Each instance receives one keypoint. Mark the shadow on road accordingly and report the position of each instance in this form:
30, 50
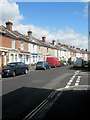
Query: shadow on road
83, 69
17, 104
71, 104
10, 76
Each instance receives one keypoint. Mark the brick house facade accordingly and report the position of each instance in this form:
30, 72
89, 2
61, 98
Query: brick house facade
15, 47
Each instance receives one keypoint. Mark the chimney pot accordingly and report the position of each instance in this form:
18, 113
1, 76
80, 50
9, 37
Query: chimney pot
9, 25
43, 39
53, 42
30, 33
78, 48
59, 43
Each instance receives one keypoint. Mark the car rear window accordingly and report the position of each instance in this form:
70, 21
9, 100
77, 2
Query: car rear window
11, 64
40, 63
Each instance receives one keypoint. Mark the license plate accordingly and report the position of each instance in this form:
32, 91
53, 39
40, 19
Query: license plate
38, 65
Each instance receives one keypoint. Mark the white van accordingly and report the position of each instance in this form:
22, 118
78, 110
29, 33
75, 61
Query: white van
79, 62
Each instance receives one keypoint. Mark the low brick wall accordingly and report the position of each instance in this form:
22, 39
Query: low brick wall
32, 66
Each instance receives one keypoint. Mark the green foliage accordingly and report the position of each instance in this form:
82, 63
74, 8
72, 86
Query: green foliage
62, 60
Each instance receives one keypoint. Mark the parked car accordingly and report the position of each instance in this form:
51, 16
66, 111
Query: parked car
14, 68
79, 62
53, 61
85, 63
42, 65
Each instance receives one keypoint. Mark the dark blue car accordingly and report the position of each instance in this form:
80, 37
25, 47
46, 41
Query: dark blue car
42, 65
14, 68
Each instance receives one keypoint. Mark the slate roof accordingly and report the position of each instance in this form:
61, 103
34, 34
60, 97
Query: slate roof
17, 35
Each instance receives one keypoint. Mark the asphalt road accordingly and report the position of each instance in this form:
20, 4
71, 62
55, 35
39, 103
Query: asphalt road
23, 93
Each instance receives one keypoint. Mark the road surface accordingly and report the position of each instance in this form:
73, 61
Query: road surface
23, 93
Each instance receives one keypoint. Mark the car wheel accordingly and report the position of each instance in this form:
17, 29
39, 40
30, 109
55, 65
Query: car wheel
55, 66
44, 68
26, 71
49, 67
14, 74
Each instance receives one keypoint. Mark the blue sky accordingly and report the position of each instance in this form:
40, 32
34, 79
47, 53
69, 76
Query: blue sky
66, 22
55, 16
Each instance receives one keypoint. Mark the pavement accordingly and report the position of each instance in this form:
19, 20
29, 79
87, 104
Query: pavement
32, 68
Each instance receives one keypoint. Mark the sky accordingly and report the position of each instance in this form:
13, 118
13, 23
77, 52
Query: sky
65, 22
55, 15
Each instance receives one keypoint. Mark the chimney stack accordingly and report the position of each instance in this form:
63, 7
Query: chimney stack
43, 39
86, 50
30, 33
53, 42
9, 25
67, 46
78, 48
59, 43
73, 46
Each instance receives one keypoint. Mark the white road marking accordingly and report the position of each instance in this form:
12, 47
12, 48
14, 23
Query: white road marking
79, 76
85, 73
76, 84
73, 76
77, 71
67, 86
43, 105
78, 81
71, 80
69, 83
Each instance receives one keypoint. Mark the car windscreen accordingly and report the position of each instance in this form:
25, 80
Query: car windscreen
10, 65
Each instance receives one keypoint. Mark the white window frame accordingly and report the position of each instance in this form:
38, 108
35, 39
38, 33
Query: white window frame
12, 57
13, 44
22, 45
33, 48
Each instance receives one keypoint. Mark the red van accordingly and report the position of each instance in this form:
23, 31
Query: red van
53, 61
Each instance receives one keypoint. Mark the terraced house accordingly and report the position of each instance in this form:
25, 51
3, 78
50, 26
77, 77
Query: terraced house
16, 47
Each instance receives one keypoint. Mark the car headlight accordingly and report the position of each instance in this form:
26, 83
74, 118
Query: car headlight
7, 70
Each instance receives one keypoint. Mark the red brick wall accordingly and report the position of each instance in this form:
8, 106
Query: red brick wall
26, 46
6, 42
17, 44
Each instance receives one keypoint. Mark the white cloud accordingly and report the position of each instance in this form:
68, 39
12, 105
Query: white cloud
65, 36
71, 37
9, 11
86, 10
